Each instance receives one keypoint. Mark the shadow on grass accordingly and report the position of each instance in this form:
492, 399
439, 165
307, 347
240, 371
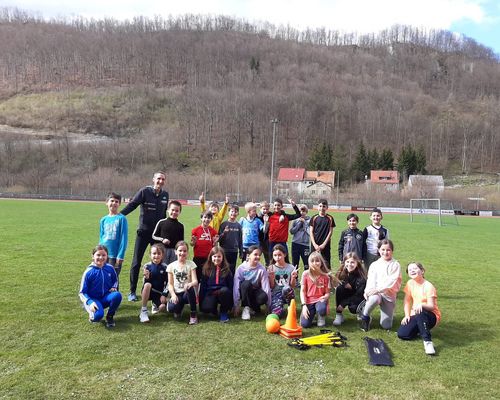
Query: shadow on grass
458, 334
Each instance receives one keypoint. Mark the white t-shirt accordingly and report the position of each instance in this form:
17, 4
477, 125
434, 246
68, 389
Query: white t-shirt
182, 274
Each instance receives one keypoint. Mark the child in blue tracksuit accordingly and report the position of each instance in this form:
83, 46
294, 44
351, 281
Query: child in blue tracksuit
98, 288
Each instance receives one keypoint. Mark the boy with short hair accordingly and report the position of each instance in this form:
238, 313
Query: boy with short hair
278, 225
203, 238
250, 228
218, 216
113, 232
169, 231
264, 234
351, 239
320, 231
230, 237
301, 239
372, 235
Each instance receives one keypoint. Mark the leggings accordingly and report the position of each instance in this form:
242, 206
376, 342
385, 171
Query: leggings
419, 324
222, 296
347, 298
386, 309
184, 298
252, 296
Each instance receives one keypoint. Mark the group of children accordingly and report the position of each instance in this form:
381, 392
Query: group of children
368, 275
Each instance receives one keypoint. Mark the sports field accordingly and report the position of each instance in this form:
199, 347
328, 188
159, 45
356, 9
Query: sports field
49, 350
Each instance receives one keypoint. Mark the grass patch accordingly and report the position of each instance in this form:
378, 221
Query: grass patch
111, 111
49, 350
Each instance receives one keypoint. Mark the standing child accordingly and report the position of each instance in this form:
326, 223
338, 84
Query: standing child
230, 237
320, 231
421, 309
98, 288
217, 216
203, 238
250, 228
301, 239
278, 224
251, 285
382, 287
216, 285
349, 293
351, 239
154, 287
282, 280
169, 231
113, 232
372, 235
264, 233
314, 291
182, 282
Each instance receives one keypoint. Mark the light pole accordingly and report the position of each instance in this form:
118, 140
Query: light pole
274, 121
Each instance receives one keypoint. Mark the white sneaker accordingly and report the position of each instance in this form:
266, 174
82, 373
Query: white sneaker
245, 314
154, 309
339, 319
143, 316
429, 348
321, 321
90, 312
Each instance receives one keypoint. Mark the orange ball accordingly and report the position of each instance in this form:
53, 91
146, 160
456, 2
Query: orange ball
273, 325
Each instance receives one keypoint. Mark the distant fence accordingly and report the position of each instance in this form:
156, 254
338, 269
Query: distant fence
345, 208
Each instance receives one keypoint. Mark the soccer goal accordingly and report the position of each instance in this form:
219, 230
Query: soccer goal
435, 211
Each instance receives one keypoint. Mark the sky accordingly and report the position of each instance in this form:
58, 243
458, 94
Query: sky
477, 19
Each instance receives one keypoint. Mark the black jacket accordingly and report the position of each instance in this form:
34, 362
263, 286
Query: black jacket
153, 208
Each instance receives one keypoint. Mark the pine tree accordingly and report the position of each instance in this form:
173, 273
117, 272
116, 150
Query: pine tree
361, 166
320, 158
340, 163
420, 160
386, 160
407, 162
373, 159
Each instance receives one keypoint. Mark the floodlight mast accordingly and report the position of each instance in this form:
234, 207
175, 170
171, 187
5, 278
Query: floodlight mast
274, 121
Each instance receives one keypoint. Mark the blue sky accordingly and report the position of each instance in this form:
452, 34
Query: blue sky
478, 19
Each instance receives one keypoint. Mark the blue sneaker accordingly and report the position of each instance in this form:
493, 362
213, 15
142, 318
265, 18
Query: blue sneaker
224, 317
132, 297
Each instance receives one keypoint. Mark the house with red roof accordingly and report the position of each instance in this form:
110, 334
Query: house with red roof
290, 181
387, 179
299, 183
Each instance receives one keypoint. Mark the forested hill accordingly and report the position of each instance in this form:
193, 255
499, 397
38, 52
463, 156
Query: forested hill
214, 83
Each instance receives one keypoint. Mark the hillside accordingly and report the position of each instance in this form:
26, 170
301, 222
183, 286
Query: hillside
194, 91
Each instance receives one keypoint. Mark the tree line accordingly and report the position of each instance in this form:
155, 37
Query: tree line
324, 158
209, 86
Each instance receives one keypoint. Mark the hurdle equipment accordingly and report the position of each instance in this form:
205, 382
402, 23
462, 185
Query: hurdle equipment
327, 338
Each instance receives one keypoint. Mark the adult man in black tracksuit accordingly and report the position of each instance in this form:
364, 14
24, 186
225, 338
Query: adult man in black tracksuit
154, 202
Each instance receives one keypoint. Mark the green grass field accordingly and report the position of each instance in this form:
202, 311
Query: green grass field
50, 351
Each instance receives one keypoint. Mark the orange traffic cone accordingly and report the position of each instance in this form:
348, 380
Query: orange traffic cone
291, 329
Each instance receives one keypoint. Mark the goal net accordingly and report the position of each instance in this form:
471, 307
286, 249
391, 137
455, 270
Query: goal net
435, 211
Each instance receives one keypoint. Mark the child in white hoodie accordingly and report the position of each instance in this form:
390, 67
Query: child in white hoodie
382, 287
